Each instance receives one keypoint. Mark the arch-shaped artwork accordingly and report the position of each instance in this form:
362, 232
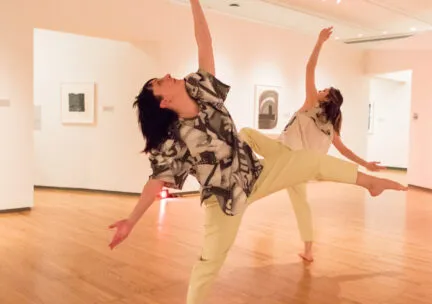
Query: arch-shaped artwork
266, 107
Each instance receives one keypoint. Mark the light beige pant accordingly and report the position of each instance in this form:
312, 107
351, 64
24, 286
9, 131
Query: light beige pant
303, 213
283, 168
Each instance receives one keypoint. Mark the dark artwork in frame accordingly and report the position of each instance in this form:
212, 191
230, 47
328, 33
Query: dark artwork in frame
76, 102
268, 104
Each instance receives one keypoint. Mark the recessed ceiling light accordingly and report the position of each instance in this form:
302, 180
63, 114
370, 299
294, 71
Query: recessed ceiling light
234, 5
337, 38
360, 35
338, 1
385, 32
413, 29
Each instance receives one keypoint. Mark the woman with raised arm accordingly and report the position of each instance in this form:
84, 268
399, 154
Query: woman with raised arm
315, 126
188, 130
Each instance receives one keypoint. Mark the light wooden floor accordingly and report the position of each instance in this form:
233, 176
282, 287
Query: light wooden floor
368, 251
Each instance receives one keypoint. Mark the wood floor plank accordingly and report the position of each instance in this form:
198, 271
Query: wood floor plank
367, 250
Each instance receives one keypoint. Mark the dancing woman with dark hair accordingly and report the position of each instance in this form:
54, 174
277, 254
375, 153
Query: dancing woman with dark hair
315, 126
189, 131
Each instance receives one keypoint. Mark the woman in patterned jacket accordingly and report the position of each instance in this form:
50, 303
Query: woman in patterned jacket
315, 126
188, 130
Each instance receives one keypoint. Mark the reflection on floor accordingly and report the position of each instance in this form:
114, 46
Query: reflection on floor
368, 250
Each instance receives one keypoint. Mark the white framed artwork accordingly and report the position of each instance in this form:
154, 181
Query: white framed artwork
266, 108
78, 103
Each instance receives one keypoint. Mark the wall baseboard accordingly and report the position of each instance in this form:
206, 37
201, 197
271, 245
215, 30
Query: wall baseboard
420, 188
397, 169
177, 194
16, 210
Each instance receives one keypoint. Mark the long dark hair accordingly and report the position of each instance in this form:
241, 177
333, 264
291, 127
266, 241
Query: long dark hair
332, 109
154, 121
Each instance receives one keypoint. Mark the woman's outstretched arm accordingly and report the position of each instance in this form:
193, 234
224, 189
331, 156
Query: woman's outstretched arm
311, 90
203, 38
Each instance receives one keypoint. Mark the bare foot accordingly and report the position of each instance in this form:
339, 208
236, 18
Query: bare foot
378, 185
307, 257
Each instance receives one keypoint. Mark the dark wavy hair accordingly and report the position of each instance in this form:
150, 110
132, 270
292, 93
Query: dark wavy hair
332, 109
154, 121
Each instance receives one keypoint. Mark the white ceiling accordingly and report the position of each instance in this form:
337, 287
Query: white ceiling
354, 20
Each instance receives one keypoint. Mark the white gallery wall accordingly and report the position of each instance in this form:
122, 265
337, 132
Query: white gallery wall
106, 155
16, 110
388, 140
420, 145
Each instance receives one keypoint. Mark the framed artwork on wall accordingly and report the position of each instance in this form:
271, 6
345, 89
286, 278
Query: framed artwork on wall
266, 108
78, 103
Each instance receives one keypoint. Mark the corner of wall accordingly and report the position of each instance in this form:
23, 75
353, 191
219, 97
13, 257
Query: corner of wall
366, 57
150, 47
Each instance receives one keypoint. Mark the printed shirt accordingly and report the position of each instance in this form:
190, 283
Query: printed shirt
208, 147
